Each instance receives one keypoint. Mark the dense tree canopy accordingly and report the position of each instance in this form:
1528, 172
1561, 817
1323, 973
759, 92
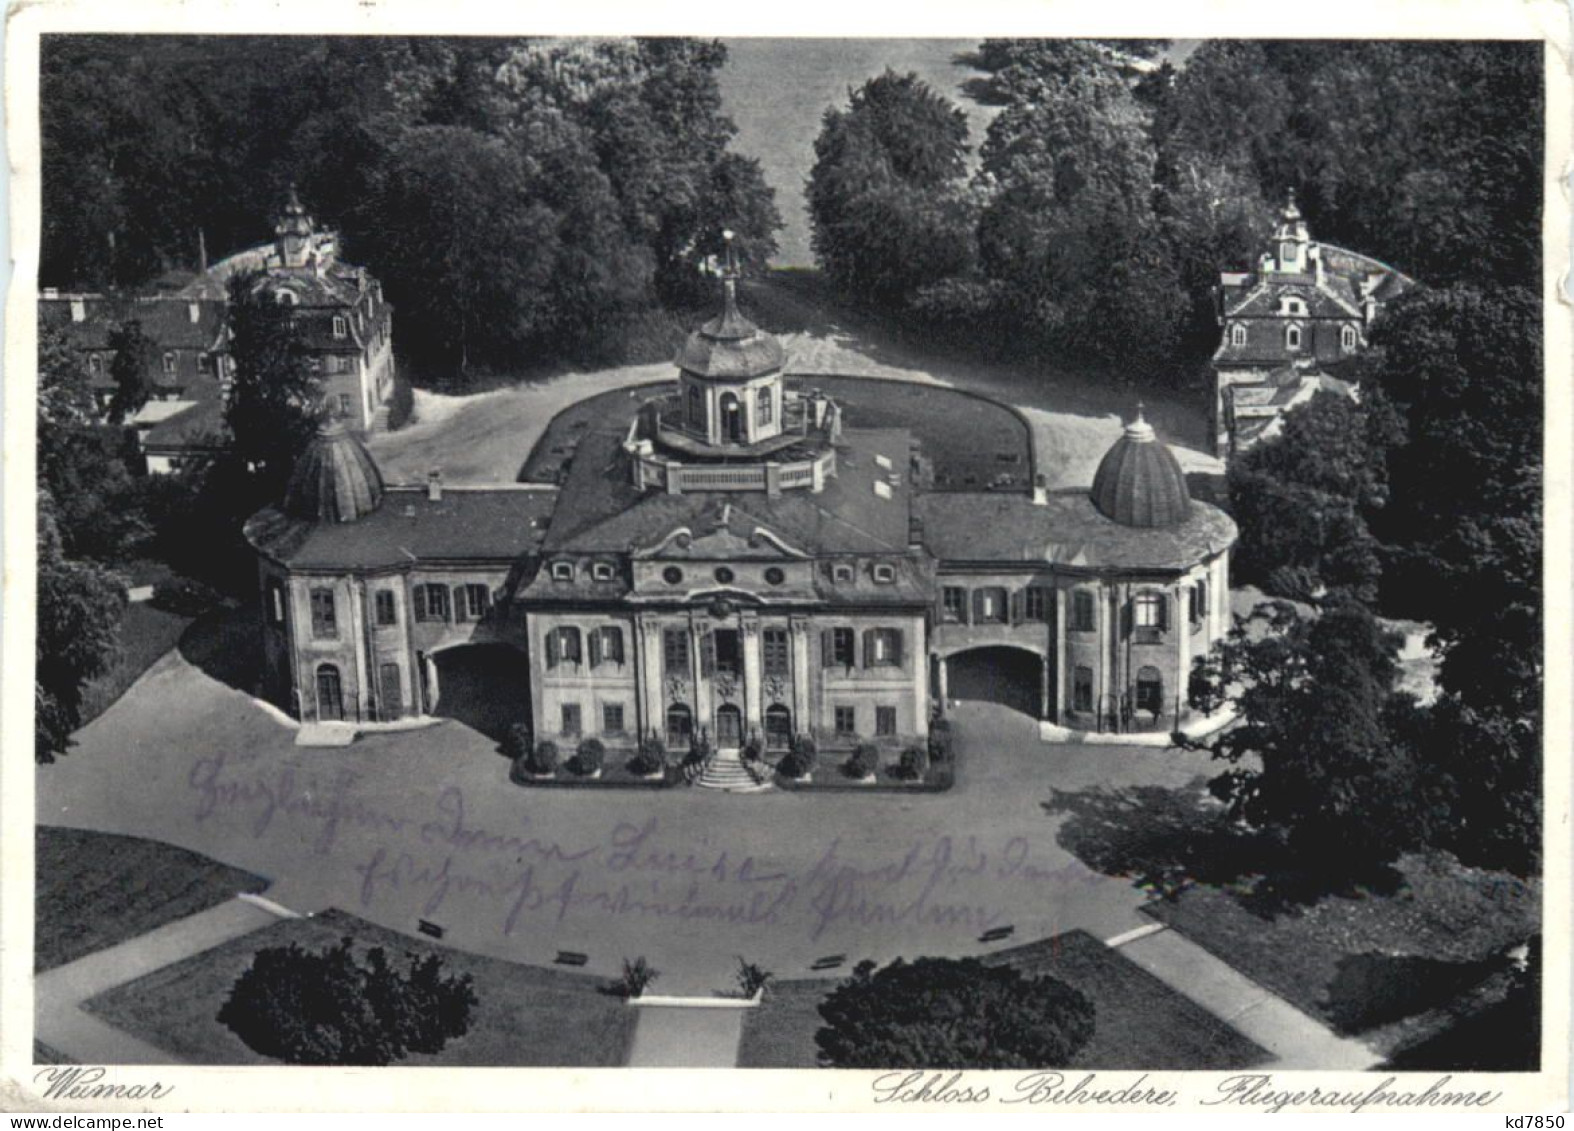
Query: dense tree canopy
333, 1008
951, 1013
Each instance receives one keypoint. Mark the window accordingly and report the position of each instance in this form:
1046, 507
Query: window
601, 571
345, 404
572, 724
387, 613
612, 718
328, 364
563, 646
1082, 611
275, 602
773, 642
774, 575
885, 574
1199, 604
325, 625
778, 727
1150, 690
680, 725
169, 364
284, 298
1082, 690
989, 606
954, 602
562, 571
1237, 335
675, 652
1292, 337
723, 575
1292, 305
841, 573
431, 602
838, 648
1287, 252
762, 408
846, 721
723, 652
672, 575
1035, 603
340, 329
477, 599
883, 648
1347, 337
1149, 616
885, 722
606, 645
95, 364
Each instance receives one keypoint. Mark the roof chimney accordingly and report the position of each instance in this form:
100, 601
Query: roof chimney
434, 485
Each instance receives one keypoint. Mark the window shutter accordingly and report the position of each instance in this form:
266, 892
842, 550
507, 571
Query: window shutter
896, 647
595, 647
1126, 616
459, 602
1164, 612
869, 647
554, 652
827, 649
708, 655
420, 602
978, 605
615, 637
1016, 606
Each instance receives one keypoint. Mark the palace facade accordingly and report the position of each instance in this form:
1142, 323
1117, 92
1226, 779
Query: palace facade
742, 561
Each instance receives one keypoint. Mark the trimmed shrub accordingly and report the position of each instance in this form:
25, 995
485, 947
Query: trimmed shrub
865, 760
543, 759
401, 404
649, 758
653, 747
518, 741
800, 758
589, 758
940, 740
915, 763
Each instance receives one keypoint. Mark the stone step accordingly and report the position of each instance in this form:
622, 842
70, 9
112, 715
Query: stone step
728, 773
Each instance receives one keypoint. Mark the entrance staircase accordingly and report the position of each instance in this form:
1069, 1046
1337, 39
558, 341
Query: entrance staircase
724, 770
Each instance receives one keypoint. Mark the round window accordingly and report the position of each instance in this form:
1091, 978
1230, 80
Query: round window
775, 576
672, 575
724, 575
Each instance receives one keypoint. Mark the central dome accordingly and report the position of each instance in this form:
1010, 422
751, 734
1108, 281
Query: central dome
1139, 481
335, 480
729, 347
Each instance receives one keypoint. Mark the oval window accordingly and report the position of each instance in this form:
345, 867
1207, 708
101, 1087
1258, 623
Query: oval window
672, 575
724, 575
775, 576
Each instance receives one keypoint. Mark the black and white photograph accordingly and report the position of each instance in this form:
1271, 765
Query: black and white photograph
1012, 564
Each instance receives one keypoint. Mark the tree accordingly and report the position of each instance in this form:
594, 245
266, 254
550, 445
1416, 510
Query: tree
275, 399
78, 609
951, 1013
887, 194
1302, 498
133, 360
1327, 756
331, 1008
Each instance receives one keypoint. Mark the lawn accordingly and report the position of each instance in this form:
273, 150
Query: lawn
1139, 1021
97, 889
972, 442
146, 634
527, 1016
1368, 961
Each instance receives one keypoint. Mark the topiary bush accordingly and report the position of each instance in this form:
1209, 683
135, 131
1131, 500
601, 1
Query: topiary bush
800, 758
649, 758
914, 764
864, 762
185, 596
589, 758
518, 741
543, 759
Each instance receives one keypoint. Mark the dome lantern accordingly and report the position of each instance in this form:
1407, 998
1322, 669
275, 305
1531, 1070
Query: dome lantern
1139, 481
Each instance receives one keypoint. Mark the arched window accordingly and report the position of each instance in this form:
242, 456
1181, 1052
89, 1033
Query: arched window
1347, 337
1292, 337
680, 725
778, 727
762, 408
1237, 335
330, 694
283, 297
1150, 690
1082, 611
731, 419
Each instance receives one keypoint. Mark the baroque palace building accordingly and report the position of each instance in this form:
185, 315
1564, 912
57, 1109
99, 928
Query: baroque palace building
741, 562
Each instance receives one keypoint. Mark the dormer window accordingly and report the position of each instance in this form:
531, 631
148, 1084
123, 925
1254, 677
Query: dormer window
169, 364
885, 573
1237, 335
1292, 337
562, 571
285, 298
341, 328
1294, 306
842, 574
1347, 337
601, 571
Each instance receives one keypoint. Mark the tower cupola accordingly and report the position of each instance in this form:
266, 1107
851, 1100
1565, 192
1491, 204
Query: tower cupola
335, 480
293, 230
1139, 481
